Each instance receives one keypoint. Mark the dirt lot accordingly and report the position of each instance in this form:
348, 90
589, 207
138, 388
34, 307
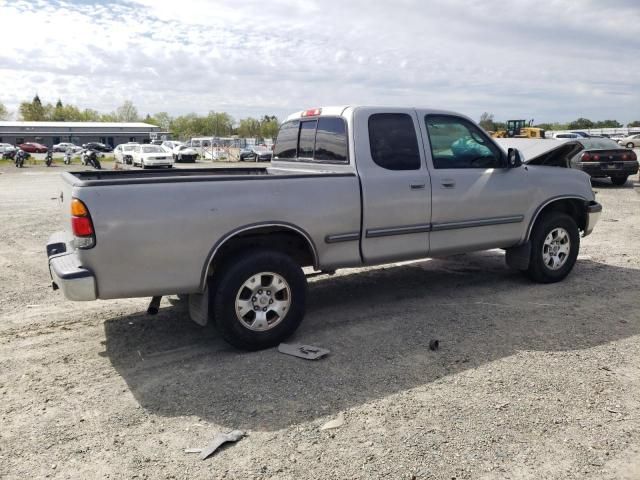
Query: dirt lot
530, 381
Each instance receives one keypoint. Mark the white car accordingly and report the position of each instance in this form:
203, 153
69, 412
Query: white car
64, 146
6, 148
123, 153
151, 156
180, 151
632, 141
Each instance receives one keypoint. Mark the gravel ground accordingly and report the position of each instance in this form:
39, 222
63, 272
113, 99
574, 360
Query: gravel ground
530, 381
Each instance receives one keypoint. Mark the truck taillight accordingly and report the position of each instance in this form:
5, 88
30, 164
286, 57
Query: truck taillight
81, 225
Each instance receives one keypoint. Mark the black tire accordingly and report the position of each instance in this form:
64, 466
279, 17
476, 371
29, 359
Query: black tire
538, 271
619, 180
630, 145
226, 286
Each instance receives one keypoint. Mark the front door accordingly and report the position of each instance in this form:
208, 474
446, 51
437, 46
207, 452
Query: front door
478, 202
396, 191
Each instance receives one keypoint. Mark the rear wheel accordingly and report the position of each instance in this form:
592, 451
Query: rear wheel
630, 145
555, 242
619, 180
258, 299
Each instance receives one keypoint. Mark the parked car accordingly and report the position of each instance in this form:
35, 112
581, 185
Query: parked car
183, 153
599, 157
6, 147
123, 153
11, 154
244, 235
257, 153
64, 146
100, 147
33, 147
151, 156
632, 141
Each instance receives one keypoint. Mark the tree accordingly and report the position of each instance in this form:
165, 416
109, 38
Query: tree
608, 124
127, 112
635, 123
269, 126
249, 128
4, 113
486, 122
580, 123
34, 110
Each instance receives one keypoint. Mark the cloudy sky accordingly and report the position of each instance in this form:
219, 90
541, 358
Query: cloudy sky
551, 60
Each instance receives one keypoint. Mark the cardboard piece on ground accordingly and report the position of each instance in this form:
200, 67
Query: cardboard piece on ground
308, 352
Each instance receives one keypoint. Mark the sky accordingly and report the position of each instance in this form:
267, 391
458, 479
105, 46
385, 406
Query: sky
547, 60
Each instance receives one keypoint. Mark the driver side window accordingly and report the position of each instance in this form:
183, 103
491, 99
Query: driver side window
457, 143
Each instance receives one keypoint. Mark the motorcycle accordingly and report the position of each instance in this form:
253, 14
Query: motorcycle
67, 157
19, 158
90, 157
48, 160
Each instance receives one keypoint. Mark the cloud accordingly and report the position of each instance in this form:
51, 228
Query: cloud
552, 60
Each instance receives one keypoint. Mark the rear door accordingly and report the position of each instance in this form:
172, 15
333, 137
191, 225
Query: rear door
396, 191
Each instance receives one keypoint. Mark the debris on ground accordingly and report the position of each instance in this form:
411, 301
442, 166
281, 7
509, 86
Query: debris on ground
335, 423
218, 440
434, 344
308, 352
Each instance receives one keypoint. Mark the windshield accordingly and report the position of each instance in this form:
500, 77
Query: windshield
152, 149
128, 148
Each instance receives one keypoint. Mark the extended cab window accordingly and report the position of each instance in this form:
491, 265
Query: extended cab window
393, 141
457, 143
322, 139
287, 141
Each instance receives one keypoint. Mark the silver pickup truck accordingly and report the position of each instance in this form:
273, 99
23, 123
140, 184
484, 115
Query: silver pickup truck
347, 187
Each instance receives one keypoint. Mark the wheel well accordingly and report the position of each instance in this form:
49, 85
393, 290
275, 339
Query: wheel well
571, 206
283, 239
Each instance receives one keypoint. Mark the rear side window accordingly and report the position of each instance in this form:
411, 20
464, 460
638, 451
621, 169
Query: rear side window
393, 141
331, 140
287, 141
319, 140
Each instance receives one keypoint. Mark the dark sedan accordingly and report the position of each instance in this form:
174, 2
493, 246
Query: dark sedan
33, 147
256, 154
599, 157
100, 147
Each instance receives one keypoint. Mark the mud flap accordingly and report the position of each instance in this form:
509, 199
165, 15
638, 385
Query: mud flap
199, 307
518, 257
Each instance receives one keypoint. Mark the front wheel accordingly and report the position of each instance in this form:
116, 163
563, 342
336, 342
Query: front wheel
630, 145
258, 299
619, 180
555, 242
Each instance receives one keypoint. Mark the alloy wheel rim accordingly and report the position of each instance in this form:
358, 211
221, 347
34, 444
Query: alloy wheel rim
556, 248
263, 301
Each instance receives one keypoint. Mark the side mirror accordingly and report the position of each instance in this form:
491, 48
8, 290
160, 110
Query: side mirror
514, 158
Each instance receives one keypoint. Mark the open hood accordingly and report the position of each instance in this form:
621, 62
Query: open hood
543, 151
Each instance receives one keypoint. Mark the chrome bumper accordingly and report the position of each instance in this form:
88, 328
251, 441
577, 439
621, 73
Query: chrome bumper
67, 274
594, 209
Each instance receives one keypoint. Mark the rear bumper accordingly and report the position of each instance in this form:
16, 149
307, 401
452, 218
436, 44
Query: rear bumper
593, 211
67, 274
609, 169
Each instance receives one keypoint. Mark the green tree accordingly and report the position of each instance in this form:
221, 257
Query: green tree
635, 123
127, 112
269, 126
486, 122
580, 123
4, 113
33, 111
608, 124
249, 127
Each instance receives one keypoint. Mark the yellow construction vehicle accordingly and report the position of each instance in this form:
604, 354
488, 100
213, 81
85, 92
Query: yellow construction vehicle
519, 129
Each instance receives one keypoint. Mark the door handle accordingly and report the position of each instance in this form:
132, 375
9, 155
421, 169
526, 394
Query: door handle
417, 186
447, 183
